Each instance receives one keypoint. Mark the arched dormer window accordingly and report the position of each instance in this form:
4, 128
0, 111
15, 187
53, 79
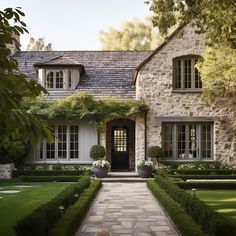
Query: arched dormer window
185, 75
54, 79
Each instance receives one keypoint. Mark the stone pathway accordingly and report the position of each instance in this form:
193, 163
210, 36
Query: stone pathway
126, 209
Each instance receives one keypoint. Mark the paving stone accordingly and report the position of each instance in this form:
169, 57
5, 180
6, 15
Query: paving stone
126, 209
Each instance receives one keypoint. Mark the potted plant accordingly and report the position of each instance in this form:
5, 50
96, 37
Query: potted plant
97, 152
145, 168
155, 152
100, 166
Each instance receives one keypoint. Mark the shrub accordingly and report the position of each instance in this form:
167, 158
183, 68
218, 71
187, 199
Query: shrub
97, 152
185, 177
154, 152
203, 172
73, 217
207, 185
211, 222
17, 173
49, 178
182, 220
41, 221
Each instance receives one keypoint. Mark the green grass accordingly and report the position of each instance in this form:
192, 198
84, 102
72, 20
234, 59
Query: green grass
14, 206
222, 201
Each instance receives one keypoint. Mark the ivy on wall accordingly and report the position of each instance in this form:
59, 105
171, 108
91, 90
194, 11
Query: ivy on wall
85, 106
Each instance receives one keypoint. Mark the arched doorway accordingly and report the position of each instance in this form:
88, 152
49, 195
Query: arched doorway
120, 144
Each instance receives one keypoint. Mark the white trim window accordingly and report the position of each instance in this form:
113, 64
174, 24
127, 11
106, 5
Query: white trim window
65, 145
191, 141
54, 79
185, 75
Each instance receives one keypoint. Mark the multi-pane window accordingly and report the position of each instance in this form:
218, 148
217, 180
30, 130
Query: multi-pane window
62, 141
50, 147
120, 139
188, 140
59, 79
65, 145
54, 79
74, 141
69, 79
186, 76
50, 80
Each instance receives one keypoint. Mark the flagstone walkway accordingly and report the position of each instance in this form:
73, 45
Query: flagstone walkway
127, 209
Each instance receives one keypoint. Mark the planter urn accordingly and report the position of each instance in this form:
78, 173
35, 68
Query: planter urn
100, 172
145, 172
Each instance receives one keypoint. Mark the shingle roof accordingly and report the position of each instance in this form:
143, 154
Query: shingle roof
108, 73
59, 60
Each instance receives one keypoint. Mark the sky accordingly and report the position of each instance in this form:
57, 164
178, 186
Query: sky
75, 24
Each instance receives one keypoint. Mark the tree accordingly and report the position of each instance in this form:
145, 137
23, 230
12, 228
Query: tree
38, 45
134, 35
218, 73
217, 19
15, 122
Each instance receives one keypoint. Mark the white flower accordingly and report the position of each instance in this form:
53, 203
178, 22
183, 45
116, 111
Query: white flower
101, 163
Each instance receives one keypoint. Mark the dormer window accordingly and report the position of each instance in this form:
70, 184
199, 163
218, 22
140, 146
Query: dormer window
185, 75
54, 79
69, 79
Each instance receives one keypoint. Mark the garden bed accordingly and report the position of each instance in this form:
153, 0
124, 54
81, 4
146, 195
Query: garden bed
42, 220
210, 221
223, 202
15, 206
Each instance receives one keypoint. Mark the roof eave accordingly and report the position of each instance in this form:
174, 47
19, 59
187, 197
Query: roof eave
155, 51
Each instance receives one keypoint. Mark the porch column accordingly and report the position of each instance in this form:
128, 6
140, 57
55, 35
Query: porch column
139, 140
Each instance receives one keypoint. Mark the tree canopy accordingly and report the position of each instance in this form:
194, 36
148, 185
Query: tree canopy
134, 35
38, 45
216, 17
15, 122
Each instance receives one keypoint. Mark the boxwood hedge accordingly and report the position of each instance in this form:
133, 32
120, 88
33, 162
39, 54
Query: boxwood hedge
186, 225
74, 216
41, 221
212, 223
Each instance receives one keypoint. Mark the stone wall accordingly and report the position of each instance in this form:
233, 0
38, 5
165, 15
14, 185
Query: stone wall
154, 85
6, 171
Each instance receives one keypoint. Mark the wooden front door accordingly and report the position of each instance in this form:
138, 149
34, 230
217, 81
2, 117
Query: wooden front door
120, 151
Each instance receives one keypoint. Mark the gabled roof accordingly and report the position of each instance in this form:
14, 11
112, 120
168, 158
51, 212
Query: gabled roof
172, 35
58, 61
108, 73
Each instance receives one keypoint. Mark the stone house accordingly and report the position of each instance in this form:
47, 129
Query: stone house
186, 128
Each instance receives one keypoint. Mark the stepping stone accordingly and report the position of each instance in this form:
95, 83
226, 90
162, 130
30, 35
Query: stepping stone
22, 186
9, 191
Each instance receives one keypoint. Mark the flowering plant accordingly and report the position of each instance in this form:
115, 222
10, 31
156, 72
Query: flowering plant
101, 163
145, 164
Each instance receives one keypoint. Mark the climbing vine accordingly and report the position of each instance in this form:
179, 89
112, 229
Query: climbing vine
85, 106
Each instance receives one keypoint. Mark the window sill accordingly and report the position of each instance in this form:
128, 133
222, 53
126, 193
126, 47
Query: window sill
185, 91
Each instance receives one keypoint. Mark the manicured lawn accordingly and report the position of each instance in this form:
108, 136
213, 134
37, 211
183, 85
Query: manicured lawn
16, 205
222, 201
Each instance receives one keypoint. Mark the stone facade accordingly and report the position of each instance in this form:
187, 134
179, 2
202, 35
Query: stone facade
154, 86
6, 171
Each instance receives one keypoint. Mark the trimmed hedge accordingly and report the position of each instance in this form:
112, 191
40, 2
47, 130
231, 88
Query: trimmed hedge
186, 225
211, 222
207, 185
41, 221
49, 178
185, 177
17, 173
74, 216
203, 172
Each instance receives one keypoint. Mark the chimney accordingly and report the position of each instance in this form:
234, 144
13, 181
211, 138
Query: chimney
15, 46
